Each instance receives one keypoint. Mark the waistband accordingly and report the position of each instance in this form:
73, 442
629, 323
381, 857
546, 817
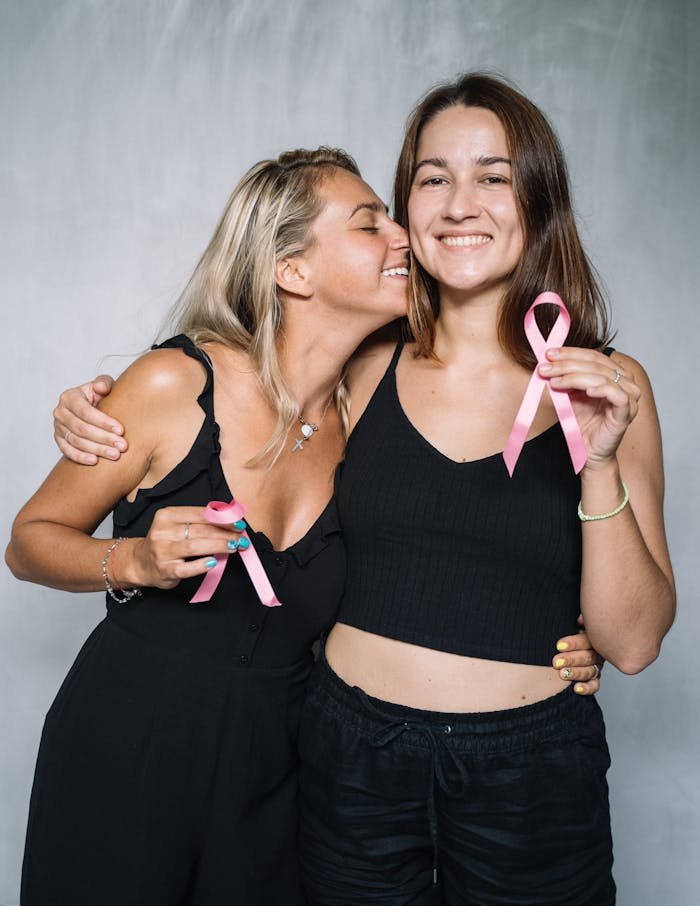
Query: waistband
564, 715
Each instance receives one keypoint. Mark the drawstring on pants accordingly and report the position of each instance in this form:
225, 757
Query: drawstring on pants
435, 735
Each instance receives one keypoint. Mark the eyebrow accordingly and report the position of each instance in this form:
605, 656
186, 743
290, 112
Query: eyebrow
373, 206
441, 163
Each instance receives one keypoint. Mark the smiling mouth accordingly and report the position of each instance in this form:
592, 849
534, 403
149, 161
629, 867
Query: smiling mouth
395, 272
465, 241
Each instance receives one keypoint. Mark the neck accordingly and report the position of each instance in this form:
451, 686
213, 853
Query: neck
312, 363
467, 328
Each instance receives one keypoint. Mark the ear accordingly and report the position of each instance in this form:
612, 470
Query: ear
293, 275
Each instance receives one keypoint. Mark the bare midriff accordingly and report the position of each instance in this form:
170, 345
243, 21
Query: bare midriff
434, 680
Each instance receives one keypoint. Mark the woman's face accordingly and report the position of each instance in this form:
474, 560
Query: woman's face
359, 257
463, 219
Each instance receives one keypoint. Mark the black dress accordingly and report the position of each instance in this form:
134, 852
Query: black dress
167, 771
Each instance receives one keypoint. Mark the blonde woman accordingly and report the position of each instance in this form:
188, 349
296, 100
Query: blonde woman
167, 767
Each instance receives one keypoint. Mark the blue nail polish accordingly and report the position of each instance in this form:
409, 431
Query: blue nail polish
243, 544
240, 525
232, 545
210, 562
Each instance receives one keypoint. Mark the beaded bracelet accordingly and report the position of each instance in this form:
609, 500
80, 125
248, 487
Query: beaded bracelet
584, 517
128, 593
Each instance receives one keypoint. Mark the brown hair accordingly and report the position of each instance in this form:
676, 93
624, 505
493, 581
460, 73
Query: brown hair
553, 258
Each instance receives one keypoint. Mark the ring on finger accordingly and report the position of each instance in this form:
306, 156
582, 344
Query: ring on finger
567, 673
596, 675
187, 531
65, 436
618, 375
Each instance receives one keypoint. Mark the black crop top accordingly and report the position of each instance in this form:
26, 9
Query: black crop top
234, 627
458, 556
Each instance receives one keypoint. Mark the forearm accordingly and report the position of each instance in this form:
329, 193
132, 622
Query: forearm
59, 556
627, 600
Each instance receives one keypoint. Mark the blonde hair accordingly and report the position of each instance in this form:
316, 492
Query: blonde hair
232, 295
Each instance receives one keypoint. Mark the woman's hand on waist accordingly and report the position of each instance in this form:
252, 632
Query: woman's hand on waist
578, 662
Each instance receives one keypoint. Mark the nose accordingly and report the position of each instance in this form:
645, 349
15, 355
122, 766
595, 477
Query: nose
461, 202
399, 238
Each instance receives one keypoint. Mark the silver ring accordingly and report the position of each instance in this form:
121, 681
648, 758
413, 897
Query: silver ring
65, 435
187, 531
596, 675
618, 375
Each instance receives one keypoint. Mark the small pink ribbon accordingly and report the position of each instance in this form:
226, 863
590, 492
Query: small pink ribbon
219, 513
533, 394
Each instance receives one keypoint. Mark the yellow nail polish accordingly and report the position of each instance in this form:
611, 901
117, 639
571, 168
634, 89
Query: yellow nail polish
560, 662
562, 646
579, 689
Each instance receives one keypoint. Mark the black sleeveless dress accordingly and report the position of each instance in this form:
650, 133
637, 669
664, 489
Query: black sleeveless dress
167, 771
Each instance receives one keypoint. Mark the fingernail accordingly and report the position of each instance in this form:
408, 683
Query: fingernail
562, 646
240, 525
243, 544
113, 454
210, 562
580, 690
567, 673
552, 353
560, 662
117, 430
120, 445
545, 369
232, 545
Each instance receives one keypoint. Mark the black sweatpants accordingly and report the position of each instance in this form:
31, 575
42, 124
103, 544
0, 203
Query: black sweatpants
402, 806
165, 780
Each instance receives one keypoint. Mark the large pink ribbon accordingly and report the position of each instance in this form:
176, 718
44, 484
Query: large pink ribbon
219, 513
533, 394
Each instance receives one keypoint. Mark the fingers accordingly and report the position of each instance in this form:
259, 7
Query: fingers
82, 432
587, 688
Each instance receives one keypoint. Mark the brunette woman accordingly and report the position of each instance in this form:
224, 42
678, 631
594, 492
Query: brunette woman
443, 761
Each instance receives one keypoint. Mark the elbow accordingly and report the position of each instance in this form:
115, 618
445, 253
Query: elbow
638, 658
13, 562
635, 662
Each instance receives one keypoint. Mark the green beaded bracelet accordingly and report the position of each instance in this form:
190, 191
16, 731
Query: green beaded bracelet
584, 517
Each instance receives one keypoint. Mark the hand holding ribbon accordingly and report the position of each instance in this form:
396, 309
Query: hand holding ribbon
219, 513
533, 394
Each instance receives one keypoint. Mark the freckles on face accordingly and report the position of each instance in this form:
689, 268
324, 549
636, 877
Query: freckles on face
463, 218
359, 256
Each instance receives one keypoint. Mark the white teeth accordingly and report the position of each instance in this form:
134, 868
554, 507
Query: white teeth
395, 272
465, 240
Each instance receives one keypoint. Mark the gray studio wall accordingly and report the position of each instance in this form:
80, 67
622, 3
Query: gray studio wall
125, 125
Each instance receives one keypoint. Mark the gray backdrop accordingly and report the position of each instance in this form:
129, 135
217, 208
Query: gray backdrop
126, 124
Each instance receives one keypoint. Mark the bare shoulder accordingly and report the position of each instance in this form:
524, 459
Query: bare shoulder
155, 382
367, 367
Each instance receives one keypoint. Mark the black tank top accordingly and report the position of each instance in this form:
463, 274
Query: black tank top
234, 626
458, 556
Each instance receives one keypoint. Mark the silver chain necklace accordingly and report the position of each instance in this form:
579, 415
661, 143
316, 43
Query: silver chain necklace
308, 428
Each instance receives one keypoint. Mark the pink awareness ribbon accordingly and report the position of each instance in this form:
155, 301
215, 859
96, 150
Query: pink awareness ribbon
219, 513
533, 394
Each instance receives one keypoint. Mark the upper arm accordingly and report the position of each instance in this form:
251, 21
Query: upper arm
146, 398
641, 466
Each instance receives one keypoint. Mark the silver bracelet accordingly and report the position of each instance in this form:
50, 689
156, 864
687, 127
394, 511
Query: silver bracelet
128, 593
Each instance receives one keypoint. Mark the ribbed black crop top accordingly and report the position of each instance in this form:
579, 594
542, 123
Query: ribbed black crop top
234, 627
458, 556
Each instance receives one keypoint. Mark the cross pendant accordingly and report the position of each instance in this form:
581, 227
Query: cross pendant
298, 444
